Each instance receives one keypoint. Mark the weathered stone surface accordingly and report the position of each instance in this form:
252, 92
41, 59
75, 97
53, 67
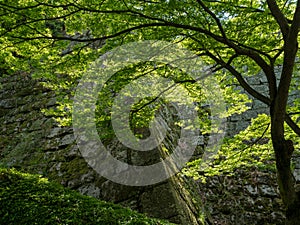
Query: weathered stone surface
91, 190
160, 195
34, 142
245, 198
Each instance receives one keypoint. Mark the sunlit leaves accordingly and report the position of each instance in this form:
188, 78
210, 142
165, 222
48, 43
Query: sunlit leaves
57, 41
251, 147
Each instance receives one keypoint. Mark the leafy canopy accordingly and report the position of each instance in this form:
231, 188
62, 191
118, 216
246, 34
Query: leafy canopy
57, 41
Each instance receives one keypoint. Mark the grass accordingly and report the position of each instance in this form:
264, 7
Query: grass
31, 199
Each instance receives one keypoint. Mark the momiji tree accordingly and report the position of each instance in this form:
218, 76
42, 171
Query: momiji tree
61, 37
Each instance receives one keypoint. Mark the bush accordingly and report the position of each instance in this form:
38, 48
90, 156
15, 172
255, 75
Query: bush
31, 199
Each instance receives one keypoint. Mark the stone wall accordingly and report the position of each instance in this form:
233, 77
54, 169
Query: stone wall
249, 196
258, 82
239, 122
33, 142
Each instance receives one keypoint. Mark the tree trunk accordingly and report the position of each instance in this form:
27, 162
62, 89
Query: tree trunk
293, 212
291, 198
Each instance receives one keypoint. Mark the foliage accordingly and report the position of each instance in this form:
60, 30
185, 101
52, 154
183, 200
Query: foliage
31, 199
49, 40
143, 112
57, 40
251, 147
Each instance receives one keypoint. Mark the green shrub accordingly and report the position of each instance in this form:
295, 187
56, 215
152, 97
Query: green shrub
31, 199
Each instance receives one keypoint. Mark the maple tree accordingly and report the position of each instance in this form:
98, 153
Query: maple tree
51, 38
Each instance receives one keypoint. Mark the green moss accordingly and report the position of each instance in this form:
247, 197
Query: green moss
31, 199
70, 170
77, 166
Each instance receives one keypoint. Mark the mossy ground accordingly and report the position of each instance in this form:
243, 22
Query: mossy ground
31, 199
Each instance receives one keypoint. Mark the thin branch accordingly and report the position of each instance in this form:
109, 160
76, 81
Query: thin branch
154, 99
216, 19
292, 124
91, 39
279, 17
250, 9
252, 53
242, 50
293, 113
241, 80
129, 11
37, 20
268, 72
280, 51
20, 8
176, 83
295, 24
252, 143
238, 6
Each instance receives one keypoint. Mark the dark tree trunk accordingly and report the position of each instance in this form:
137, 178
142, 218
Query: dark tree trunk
293, 212
284, 148
290, 196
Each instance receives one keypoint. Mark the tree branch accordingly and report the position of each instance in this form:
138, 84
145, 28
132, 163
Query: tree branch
90, 39
279, 17
256, 141
240, 49
241, 80
295, 24
206, 9
292, 124
290, 51
154, 99
37, 20
20, 8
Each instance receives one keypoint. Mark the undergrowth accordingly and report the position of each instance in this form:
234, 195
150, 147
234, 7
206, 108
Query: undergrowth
31, 199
